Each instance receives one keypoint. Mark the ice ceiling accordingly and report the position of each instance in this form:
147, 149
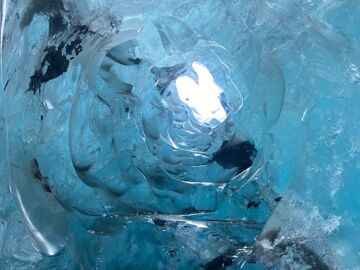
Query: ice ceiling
187, 134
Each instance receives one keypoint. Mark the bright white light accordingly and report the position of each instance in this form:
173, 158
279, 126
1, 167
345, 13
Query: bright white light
203, 97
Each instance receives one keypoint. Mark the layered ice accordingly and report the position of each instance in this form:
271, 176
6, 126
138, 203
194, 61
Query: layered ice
179, 134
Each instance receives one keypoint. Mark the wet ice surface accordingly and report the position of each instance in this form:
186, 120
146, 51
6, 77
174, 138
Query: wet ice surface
180, 134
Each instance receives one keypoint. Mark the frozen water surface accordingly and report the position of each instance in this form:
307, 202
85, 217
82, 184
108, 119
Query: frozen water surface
187, 134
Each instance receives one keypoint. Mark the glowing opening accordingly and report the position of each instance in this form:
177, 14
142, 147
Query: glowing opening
203, 96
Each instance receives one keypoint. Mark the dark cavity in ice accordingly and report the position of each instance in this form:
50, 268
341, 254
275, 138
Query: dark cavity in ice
56, 60
240, 155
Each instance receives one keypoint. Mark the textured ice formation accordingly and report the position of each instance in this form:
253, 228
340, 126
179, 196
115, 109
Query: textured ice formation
179, 134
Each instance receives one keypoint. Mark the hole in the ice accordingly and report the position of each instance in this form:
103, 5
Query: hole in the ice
253, 204
202, 96
239, 155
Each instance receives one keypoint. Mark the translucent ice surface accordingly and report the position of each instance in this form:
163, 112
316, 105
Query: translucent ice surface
180, 134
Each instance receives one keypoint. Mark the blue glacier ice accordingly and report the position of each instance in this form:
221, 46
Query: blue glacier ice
180, 134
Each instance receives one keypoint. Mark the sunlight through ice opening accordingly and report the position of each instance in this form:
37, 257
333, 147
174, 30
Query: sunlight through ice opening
203, 96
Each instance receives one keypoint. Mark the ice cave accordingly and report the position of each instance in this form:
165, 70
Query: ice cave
180, 135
